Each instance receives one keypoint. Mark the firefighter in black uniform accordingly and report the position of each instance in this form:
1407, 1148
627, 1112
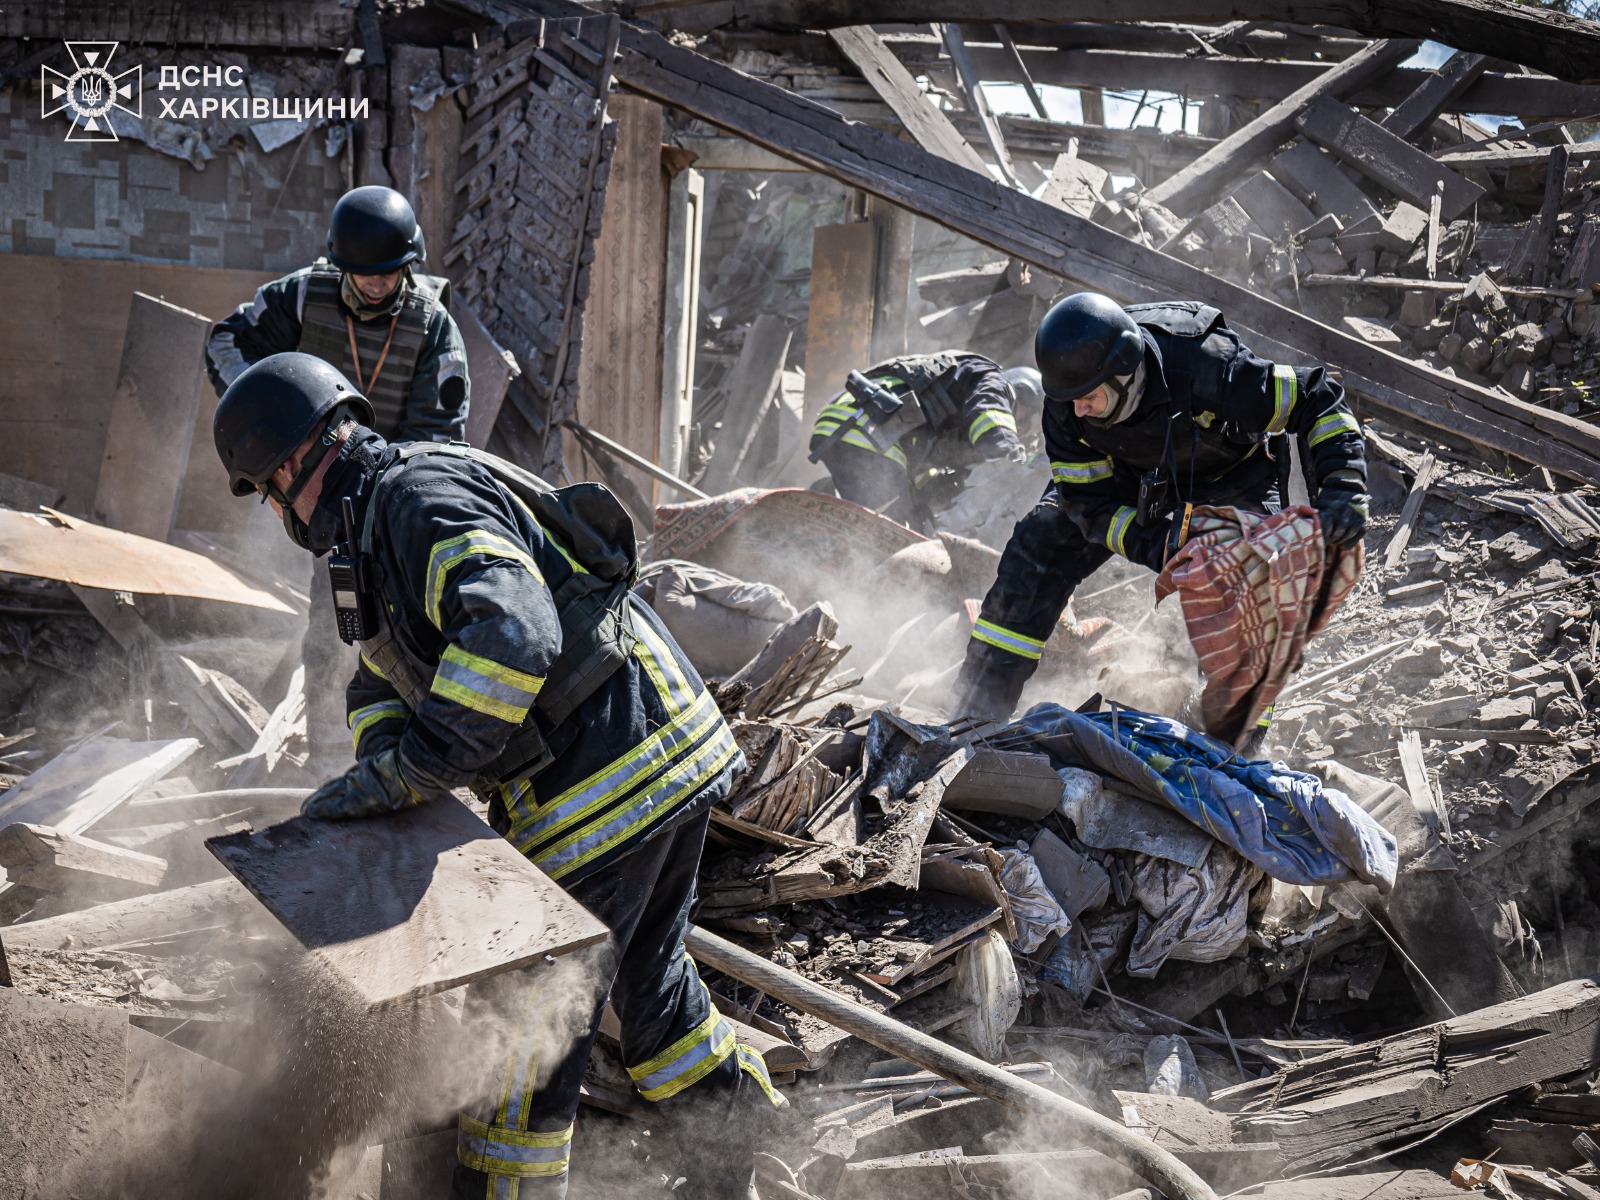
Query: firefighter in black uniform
1151, 410
502, 650
368, 311
967, 409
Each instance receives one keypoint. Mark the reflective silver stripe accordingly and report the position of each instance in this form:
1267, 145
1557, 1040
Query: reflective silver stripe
1117, 533
683, 780
1081, 472
1331, 426
1006, 639
1284, 395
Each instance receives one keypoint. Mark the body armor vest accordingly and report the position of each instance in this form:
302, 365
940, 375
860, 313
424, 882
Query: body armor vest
596, 628
1197, 349
325, 333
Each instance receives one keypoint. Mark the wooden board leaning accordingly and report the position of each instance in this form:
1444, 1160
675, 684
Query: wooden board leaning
407, 905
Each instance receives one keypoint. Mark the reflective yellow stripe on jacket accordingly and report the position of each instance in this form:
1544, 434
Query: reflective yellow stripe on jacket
448, 553
838, 412
635, 791
1117, 531
364, 719
1081, 472
987, 420
1285, 391
1331, 426
484, 685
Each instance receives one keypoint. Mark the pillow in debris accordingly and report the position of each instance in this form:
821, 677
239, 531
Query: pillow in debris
720, 622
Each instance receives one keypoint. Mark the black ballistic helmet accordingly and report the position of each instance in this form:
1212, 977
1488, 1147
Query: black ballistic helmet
270, 409
1083, 341
373, 231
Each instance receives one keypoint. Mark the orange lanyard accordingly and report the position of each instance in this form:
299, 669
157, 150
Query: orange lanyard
365, 386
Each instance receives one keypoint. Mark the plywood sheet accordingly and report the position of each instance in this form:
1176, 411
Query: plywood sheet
153, 413
406, 905
839, 323
63, 342
51, 545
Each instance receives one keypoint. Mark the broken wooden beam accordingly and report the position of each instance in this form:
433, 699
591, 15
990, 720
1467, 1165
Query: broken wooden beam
1387, 160
1353, 1102
82, 784
49, 860
1203, 180
1066, 245
898, 89
1418, 110
158, 917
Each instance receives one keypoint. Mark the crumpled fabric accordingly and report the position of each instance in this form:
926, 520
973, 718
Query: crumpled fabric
1284, 821
1195, 914
1255, 590
1037, 912
720, 622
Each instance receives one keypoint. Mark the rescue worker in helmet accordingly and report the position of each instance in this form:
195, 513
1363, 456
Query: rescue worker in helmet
502, 650
949, 411
1150, 410
368, 311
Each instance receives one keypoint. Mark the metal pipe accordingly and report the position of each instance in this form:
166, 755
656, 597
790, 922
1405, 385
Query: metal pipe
1144, 1158
637, 460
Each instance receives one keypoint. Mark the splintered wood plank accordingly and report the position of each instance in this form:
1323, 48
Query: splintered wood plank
152, 417
403, 906
1384, 158
750, 388
1344, 1104
78, 787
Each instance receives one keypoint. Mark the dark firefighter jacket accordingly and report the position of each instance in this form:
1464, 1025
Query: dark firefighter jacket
421, 393
965, 397
467, 578
1209, 413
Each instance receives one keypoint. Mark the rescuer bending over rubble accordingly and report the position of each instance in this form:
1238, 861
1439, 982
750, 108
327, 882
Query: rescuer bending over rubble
902, 438
501, 649
368, 311
1151, 411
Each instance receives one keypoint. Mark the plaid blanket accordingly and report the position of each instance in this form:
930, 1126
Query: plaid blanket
1255, 590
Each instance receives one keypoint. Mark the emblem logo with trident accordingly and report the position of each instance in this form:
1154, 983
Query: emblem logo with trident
91, 91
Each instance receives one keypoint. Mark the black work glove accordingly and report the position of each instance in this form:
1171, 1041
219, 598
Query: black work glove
1147, 544
375, 787
1342, 510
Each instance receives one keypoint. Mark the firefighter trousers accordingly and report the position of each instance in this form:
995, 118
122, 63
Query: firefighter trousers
1047, 557
678, 1049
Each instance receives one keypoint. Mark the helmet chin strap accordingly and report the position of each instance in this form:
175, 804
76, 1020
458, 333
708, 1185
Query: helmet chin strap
286, 497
